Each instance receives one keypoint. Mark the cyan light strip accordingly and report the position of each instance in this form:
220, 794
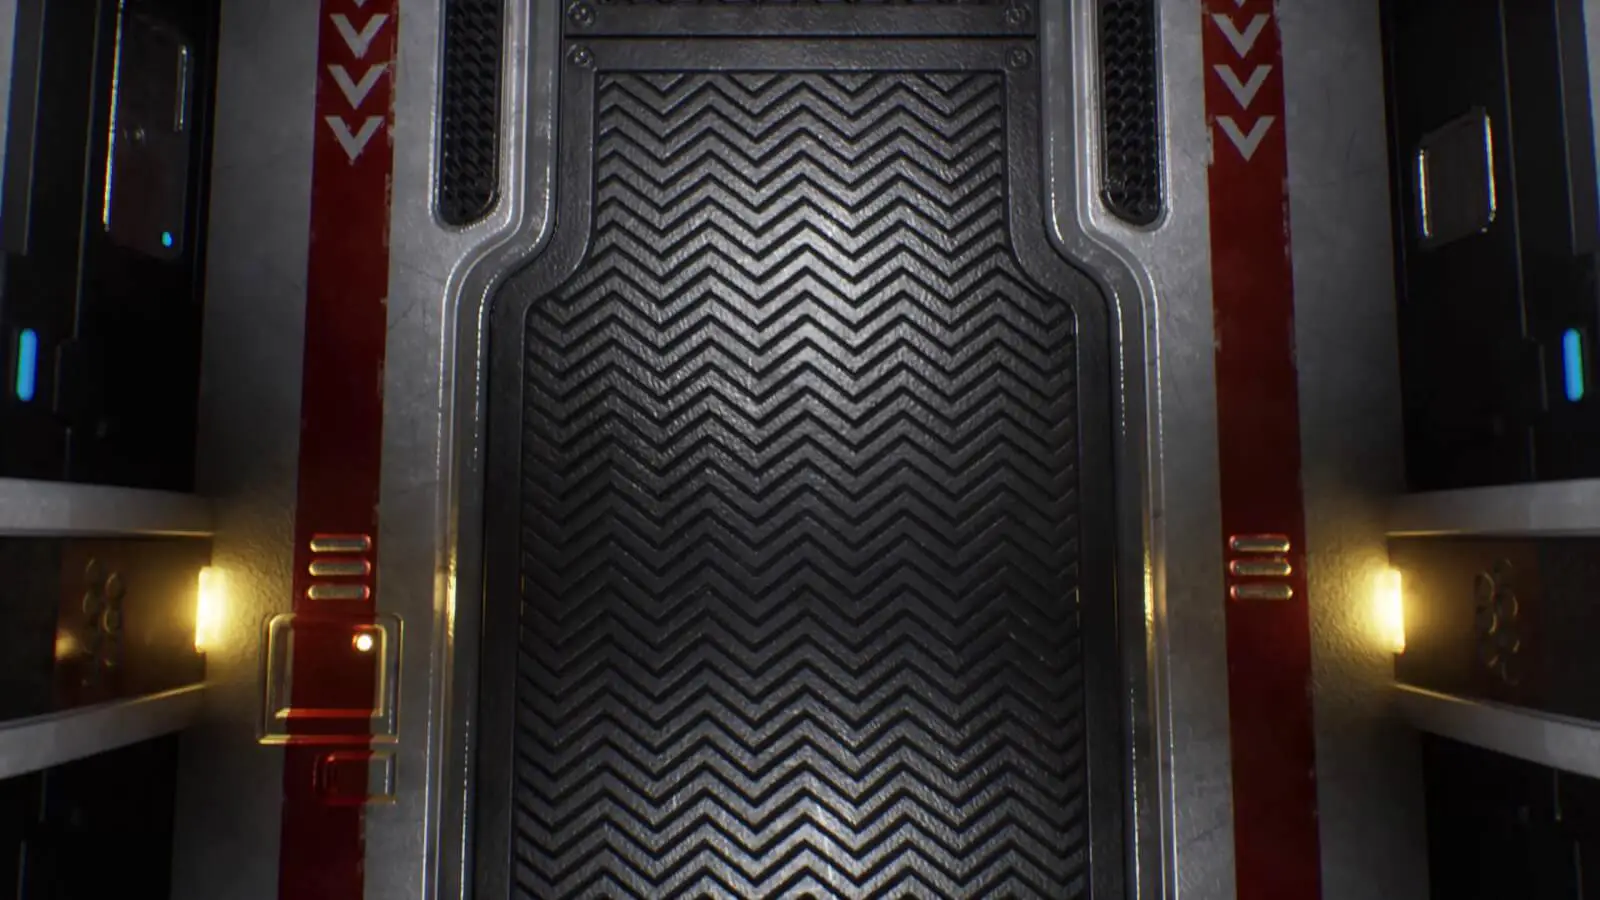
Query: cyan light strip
27, 364
1572, 358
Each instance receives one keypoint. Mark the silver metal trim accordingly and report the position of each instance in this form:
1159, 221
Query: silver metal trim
1560, 742
341, 543
1268, 592
1083, 232
111, 122
1427, 237
512, 237
337, 591
1547, 509
63, 509
1488, 152
40, 742
180, 115
1424, 208
339, 568
1261, 568
1259, 543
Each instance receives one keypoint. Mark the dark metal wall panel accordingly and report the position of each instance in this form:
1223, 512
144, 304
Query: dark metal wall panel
1501, 827
1484, 310
107, 186
1508, 620
99, 826
810, 473
88, 620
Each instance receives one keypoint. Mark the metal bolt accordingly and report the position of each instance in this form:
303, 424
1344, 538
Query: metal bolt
582, 57
1017, 16
1019, 58
581, 15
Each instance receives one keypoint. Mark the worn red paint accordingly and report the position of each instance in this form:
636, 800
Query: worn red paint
322, 855
1269, 642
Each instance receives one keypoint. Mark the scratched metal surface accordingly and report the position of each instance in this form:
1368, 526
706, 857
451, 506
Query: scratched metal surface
1368, 762
1369, 784
227, 842
1170, 266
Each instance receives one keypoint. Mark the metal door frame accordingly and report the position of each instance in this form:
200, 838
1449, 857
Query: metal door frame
1065, 46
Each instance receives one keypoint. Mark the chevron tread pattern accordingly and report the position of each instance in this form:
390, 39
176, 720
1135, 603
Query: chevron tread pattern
799, 510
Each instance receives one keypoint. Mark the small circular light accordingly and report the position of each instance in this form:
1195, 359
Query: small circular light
166, 239
363, 643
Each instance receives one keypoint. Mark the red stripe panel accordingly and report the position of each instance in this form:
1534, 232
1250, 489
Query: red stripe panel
323, 852
1258, 413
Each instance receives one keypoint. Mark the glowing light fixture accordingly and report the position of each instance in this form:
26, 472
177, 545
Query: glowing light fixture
1576, 381
27, 364
208, 611
1390, 609
363, 643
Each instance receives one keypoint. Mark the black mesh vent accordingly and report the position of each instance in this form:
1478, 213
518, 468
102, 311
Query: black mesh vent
1132, 170
469, 178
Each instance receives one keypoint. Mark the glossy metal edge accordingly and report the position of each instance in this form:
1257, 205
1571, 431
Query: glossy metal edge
1547, 509
230, 791
431, 507
1571, 745
1370, 805
64, 509
1157, 279
40, 742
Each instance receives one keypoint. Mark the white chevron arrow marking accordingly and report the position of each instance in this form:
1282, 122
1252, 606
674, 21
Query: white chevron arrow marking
359, 41
1244, 92
1247, 144
353, 144
1242, 42
356, 91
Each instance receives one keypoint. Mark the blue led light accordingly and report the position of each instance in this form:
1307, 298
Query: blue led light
27, 364
166, 239
1572, 358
